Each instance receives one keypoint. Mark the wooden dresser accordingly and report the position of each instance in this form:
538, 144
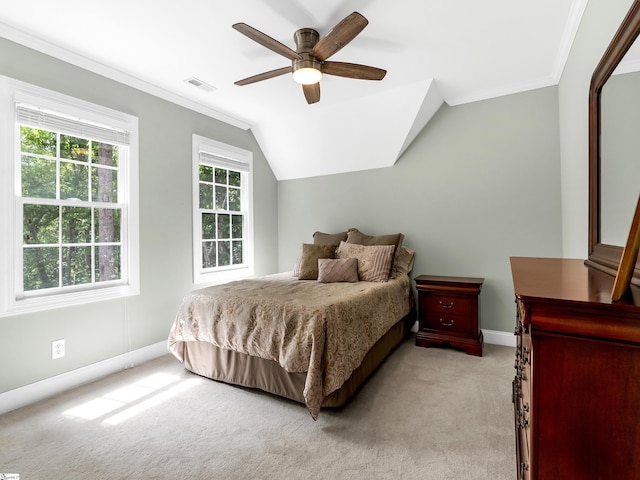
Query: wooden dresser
577, 386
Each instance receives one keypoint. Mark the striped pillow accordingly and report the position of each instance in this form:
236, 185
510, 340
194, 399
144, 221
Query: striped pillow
356, 236
332, 270
374, 261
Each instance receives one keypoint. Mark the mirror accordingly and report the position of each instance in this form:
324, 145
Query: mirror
620, 148
612, 141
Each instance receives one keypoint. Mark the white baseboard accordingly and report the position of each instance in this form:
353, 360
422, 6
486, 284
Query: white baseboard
496, 337
34, 392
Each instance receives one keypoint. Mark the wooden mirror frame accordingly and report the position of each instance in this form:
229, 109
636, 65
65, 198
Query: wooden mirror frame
602, 256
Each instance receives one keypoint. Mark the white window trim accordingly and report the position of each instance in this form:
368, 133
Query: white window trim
12, 91
203, 144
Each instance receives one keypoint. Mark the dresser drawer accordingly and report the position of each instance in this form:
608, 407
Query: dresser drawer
454, 324
449, 305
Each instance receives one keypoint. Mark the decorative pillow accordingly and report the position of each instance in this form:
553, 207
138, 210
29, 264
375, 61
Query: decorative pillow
374, 261
309, 261
320, 238
296, 267
403, 263
337, 270
356, 236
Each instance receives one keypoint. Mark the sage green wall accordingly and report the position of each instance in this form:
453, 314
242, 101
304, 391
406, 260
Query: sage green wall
599, 23
102, 330
479, 184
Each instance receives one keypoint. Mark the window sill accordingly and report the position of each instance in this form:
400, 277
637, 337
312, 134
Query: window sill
61, 300
215, 278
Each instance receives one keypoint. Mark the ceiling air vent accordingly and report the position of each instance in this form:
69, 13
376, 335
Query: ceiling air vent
200, 84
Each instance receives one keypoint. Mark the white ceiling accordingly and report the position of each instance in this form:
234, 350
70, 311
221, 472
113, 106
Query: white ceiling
434, 51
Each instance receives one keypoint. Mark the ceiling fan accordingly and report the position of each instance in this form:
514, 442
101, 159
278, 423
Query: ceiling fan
309, 60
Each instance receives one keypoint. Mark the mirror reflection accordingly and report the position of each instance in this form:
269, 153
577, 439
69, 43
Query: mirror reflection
620, 149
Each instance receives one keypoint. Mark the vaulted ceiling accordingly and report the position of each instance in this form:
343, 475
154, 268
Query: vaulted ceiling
434, 51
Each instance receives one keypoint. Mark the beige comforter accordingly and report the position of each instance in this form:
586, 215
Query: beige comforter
323, 329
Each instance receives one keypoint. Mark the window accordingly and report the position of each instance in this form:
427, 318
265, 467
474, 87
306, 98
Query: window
71, 233
222, 207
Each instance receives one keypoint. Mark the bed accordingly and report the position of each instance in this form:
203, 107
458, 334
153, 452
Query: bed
312, 335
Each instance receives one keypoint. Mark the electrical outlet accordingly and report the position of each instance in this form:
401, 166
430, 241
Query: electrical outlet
57, 349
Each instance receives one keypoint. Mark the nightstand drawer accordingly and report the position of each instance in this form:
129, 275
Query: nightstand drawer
448, 305
446, 323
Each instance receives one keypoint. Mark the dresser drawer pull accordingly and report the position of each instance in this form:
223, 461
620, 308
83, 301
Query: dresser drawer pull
523, 469
518, 388
523, 422
519, 372
442, 305
447, 324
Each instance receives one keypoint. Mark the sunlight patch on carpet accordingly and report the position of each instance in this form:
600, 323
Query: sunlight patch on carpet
130, 400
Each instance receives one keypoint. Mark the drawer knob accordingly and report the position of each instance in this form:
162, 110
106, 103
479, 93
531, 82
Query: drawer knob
449, 305
523, 422
518, 388
525, 355
447, 324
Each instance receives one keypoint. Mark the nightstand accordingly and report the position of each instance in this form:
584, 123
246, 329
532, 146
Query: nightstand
449, 312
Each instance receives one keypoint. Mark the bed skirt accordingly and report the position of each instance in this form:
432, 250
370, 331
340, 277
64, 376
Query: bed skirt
237, 368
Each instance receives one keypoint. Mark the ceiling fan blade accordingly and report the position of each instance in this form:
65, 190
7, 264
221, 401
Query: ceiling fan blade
345, 31
312, 92
266, 41
353, 70
264, 76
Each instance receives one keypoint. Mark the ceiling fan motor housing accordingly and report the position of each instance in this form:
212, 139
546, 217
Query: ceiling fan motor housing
306, 39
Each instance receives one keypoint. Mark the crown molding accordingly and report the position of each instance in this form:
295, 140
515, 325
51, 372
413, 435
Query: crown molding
503, 91
571, 29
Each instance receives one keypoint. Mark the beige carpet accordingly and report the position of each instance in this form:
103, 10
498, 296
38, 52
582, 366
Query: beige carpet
425, 414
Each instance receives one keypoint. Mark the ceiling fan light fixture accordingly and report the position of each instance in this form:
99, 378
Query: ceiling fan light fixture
307, 75
306, 70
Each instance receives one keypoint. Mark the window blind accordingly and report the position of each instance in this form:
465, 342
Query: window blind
229, 163
38, 118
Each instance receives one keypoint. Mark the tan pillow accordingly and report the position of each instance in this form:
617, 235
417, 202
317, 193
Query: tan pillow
374, 261
320, 238
356, 236
403, 262
337, 270
309, 261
